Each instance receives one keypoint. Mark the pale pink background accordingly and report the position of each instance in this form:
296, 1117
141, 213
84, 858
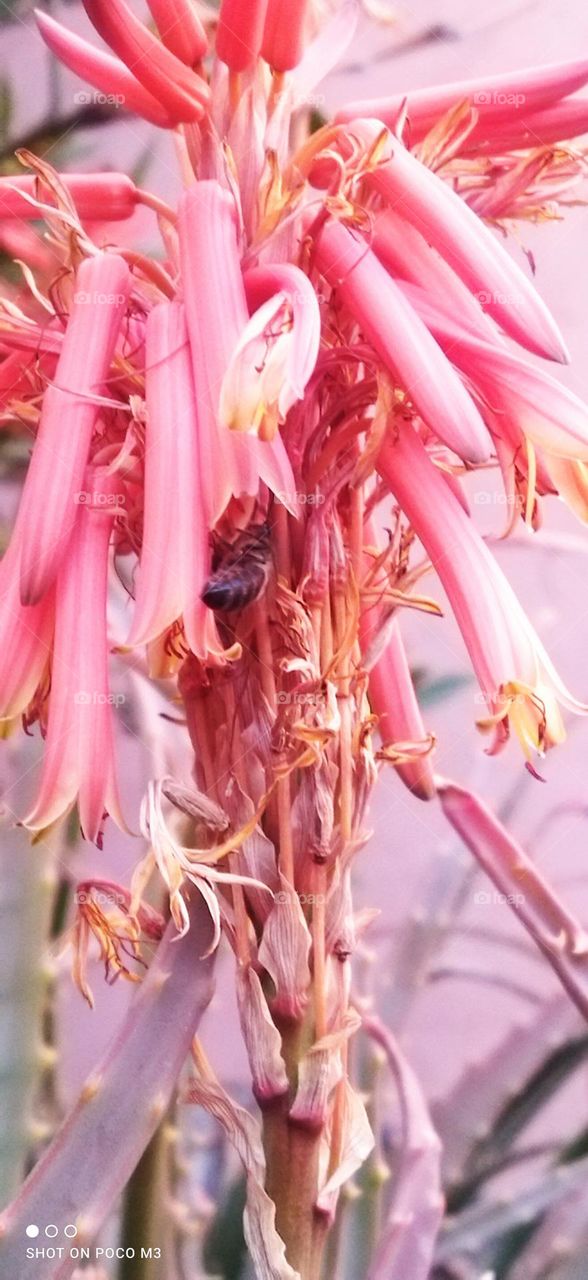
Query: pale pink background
549, 571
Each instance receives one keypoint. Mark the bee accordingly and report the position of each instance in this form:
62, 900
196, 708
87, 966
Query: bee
241, 575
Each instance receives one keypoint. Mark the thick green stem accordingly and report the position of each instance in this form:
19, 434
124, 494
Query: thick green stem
292, 1183
144, 1222
292, 1160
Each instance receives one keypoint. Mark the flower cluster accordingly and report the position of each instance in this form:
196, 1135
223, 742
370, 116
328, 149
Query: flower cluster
324, 348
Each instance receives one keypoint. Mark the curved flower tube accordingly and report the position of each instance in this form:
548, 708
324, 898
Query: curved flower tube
113, 193
402, 341
545, 410
177, 538
393, 697
79, 748
565, 120
400, 723
100, 69
516, 676
406, 254
25, 635
423, 199
217, 316
180, 29
69, 416
180, 91
493, 97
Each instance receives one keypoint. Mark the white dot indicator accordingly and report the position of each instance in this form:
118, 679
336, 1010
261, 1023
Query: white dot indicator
70, 1231
32, 1230
52, 1230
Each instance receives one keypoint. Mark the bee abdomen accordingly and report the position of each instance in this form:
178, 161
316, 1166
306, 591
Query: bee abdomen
227, 590
242, 576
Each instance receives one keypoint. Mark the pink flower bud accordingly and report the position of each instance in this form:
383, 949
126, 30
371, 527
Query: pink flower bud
240, 32
284, 33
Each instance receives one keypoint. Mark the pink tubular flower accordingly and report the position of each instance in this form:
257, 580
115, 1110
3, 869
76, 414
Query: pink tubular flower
402, 341
217, 316
114, 194
556, 931
518, 392
69, 415
400, 724
566, 119
284, 32
407, 256
493, 97
420, 197
182, 93
79, 750
180, 29
174, 554
25, 635
21, 241
392, 695
101, 69
516, 676
240, 32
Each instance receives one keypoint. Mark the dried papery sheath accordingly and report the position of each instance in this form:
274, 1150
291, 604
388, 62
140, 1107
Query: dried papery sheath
284, 952
195, 805
262, 1039
320, 1071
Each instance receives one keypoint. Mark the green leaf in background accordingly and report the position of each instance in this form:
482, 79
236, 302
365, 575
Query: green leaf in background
437, 689
5, 109
225, 1251
516, 1115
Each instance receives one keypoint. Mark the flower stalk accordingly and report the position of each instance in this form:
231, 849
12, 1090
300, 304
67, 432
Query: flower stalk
71, 1183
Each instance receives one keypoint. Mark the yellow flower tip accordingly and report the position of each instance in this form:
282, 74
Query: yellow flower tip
535, 717
532, 713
